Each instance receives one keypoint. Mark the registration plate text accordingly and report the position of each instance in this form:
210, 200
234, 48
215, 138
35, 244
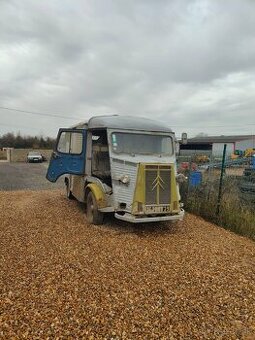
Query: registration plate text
157, 209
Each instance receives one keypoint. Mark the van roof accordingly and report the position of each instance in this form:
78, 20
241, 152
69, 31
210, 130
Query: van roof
125, 123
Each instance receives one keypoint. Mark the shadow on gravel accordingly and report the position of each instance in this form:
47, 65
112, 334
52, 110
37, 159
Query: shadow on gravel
142, 230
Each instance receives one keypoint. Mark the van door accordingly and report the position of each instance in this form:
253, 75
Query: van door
69, 154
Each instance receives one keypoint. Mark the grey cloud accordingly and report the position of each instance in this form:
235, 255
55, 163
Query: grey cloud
171, 60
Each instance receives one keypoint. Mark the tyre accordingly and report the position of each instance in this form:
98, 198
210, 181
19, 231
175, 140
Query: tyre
69, 194
94, 216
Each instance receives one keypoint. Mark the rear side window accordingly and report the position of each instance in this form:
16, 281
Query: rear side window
70, 142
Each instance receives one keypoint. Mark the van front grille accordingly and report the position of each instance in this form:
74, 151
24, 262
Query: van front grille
157, 184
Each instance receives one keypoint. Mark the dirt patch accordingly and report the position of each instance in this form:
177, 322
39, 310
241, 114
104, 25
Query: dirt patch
61, 278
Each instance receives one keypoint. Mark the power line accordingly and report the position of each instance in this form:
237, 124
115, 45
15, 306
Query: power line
74, 117
38, 113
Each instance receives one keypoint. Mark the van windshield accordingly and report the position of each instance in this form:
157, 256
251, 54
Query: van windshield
144, 144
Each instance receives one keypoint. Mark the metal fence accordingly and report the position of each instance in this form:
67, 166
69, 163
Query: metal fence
221, 194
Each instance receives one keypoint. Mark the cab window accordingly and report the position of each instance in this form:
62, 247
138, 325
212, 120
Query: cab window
70, 143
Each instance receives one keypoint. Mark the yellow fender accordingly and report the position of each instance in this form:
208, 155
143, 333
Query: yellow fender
98, 193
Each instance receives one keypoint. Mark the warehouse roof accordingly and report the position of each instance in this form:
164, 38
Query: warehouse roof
219, 139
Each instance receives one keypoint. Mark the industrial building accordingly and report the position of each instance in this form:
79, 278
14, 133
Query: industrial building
213, 145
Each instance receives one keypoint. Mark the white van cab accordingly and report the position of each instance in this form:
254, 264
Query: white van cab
120, 164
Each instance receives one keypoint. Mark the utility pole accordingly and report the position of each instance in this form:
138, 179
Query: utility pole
221, 179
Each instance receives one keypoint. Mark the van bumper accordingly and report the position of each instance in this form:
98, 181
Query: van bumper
134, 219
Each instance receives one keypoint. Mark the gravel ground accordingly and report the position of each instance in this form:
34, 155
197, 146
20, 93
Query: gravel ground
62, 279
21, 176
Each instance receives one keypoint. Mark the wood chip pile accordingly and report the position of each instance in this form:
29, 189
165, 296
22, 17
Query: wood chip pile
61, 278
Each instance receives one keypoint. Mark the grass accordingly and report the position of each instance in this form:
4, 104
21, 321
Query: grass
236, 213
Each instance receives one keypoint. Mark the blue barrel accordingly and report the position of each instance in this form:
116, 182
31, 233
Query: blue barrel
195, 178
253, 162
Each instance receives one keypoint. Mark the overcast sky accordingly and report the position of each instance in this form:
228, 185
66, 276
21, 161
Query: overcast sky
189, 64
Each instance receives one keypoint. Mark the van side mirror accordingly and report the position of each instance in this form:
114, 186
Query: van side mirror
184, 138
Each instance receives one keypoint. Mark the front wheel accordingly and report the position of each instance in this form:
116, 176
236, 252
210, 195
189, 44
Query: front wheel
94, 216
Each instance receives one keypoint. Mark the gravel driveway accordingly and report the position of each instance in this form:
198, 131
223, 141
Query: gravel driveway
18, 176
63, 279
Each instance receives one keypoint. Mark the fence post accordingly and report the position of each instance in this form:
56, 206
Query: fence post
221, 179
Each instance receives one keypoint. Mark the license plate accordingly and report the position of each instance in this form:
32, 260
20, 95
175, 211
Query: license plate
157, 209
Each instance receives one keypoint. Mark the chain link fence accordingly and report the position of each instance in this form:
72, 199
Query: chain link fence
234, 208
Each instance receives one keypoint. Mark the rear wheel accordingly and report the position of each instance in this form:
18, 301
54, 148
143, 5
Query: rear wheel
94, 216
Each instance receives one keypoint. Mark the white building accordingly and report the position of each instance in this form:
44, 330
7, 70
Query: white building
213, 145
